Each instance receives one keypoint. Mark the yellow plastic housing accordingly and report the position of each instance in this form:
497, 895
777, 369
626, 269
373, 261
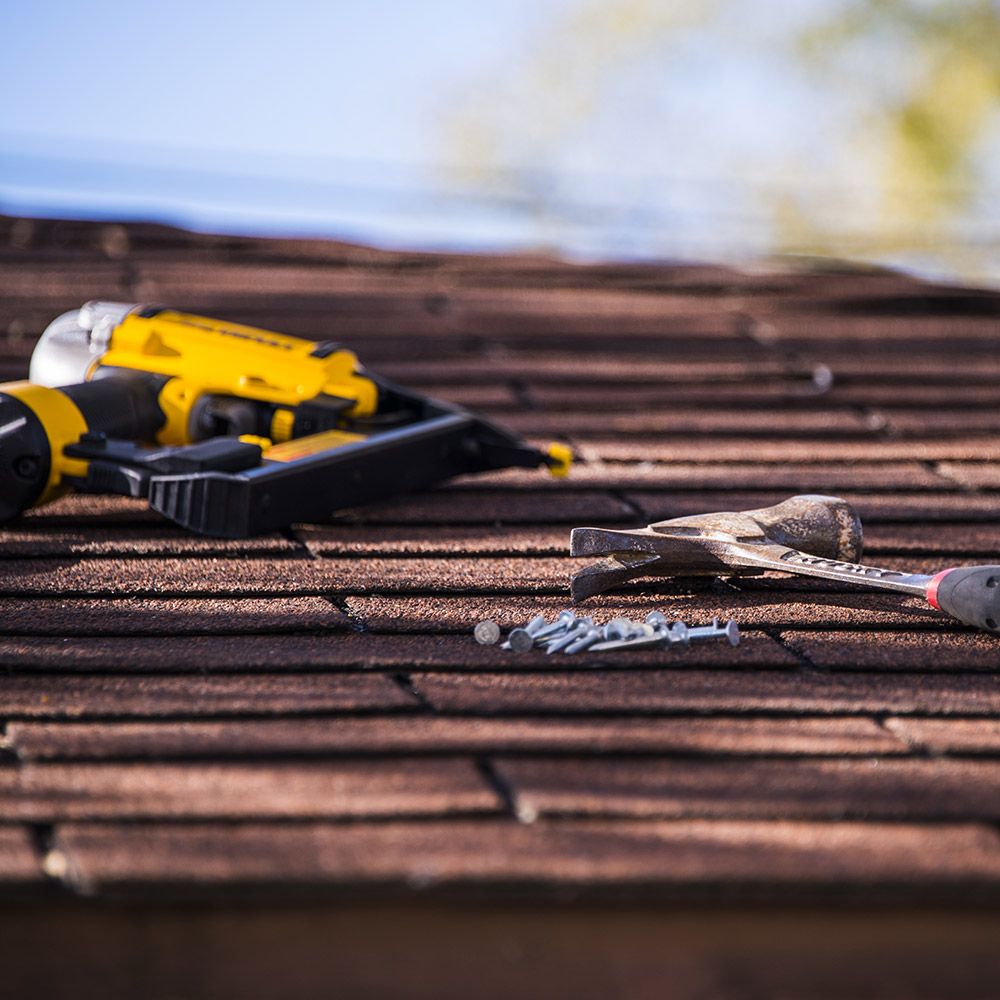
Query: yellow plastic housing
206, 356
63, 423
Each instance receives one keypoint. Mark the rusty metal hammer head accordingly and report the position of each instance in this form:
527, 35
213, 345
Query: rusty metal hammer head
716, 544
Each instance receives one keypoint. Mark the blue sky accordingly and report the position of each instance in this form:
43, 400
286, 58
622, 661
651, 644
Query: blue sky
593, 127
355, 80
295, 115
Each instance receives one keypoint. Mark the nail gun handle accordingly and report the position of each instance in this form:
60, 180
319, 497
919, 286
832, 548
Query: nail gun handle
970, 594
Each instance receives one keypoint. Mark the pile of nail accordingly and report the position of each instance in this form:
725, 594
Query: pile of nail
571, 634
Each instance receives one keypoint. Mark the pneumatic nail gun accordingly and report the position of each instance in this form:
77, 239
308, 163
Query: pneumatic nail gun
226, 429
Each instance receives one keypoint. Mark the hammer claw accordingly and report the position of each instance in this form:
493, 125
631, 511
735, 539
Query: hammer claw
715, 544
603, 575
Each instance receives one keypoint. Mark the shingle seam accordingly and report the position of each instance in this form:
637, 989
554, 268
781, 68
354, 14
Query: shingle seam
355, 619
405, 682
776, 634
629, 503
523, 395
915, 744
936, 468
8, 748
504, 791
55, 864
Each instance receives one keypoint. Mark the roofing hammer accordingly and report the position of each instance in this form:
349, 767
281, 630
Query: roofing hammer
805, 535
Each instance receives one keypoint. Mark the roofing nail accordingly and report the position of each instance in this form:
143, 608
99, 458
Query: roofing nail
652, 637
563, 621
486, 633
585, 641
679, 634
536, 623
522, 639
571, 635
619, 628
730, 631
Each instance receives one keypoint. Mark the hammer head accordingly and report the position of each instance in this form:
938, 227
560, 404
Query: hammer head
822, 526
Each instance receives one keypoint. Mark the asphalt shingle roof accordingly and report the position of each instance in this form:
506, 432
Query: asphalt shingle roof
308, 708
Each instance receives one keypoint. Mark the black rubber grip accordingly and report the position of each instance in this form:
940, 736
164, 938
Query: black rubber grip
971, 595
120, 404
25, 459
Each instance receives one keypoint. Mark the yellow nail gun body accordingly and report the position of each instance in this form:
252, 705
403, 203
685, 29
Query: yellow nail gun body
226, 429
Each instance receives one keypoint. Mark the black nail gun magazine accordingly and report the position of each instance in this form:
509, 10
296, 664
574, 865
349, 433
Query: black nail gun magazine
226, 429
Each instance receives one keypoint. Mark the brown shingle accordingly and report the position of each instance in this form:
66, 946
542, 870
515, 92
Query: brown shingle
966, 539
870, 789
56, 696
961, 736
65, 286
90, 510
410, 734
583, 854
19, 862
252, 577
942, 420
930, 651
398, 787
65, 616
777, 477
642, 692
439, 539
910, 365
36, 537
485, 507
812, 422
614, 368
880, 330
633, 448
977, 475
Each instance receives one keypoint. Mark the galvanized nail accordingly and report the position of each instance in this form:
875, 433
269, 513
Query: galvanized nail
564, 620
518, 639
730, 631
562, 641
585, 641
487, 633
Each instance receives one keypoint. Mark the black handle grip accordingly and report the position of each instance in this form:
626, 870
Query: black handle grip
971, 595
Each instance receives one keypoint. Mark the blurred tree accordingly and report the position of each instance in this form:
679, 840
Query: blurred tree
855, 127
927, 127
507, 130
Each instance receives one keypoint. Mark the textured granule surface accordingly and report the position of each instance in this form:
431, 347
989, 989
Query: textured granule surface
308, 708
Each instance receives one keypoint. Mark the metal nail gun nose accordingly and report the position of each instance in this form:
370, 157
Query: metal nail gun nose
814, 536
227, 429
